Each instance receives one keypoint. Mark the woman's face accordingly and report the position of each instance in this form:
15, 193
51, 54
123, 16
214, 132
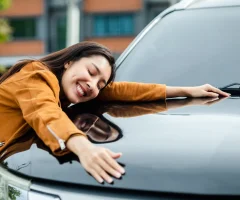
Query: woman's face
83, 79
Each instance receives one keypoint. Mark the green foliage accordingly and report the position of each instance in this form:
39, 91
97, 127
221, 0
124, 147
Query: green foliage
5, 29
3, 69
13, 193
4, 4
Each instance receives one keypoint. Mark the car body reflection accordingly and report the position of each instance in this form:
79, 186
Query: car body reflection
90, 118
98, 129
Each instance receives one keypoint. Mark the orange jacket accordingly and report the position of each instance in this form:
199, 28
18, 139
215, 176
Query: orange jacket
30, 98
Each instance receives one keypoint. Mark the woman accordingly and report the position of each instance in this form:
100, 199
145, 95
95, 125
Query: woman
33, 93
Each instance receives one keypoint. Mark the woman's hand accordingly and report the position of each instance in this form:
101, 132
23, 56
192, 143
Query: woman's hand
198, 91
98, 161
205, 91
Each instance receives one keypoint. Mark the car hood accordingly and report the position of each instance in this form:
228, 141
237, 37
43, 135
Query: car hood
191, 149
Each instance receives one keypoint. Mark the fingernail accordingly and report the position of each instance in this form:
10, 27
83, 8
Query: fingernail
122, 171
118, 175
110, 180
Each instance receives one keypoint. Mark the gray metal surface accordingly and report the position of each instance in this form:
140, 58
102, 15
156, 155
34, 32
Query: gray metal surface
192, 4
34, 195
187, 150
86, 193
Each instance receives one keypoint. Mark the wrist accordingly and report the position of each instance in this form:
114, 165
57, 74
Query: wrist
178, 91
78, 143
186, 91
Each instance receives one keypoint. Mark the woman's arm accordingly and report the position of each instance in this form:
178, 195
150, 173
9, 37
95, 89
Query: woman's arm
132, 91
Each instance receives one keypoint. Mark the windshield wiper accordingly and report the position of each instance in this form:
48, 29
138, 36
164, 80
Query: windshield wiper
233, 89
231, 85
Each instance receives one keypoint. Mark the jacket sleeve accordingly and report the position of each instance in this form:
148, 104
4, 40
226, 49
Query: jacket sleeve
136, 110
132, 91
37, 96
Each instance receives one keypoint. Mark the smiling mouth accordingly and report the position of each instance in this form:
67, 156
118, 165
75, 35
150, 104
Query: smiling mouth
80, 92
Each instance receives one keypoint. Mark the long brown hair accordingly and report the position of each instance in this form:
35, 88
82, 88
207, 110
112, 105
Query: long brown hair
55, 61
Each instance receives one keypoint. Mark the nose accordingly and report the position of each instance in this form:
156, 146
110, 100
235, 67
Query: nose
93, 90
89, 86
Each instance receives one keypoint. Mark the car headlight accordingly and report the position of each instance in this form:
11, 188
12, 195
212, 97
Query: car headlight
13, 187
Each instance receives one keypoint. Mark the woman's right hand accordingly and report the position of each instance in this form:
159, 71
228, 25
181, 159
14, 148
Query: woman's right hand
98, 161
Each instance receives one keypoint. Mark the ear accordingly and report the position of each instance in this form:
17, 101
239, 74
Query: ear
67, 65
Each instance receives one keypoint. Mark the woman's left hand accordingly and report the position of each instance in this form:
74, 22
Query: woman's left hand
205, 91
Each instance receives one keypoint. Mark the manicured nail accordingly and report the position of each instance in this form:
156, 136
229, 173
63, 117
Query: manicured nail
122, 171
118, 175
110, 180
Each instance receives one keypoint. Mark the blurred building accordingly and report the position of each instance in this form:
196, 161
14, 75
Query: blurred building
40, 26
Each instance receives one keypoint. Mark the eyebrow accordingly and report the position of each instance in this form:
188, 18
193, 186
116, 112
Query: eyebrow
105, 82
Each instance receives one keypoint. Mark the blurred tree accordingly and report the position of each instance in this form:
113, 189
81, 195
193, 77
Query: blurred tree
4, 4
5, 29
13, 193
2, 69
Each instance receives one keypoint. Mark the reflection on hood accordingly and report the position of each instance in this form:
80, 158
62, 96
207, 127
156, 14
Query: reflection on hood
97, 128
89, 118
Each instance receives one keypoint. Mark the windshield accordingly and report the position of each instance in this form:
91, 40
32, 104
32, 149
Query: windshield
190, 47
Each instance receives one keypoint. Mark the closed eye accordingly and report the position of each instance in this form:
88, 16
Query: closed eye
90, 73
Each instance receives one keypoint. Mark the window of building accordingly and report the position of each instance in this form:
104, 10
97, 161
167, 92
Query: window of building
58, 31
23, 28
113, 25
61, 33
